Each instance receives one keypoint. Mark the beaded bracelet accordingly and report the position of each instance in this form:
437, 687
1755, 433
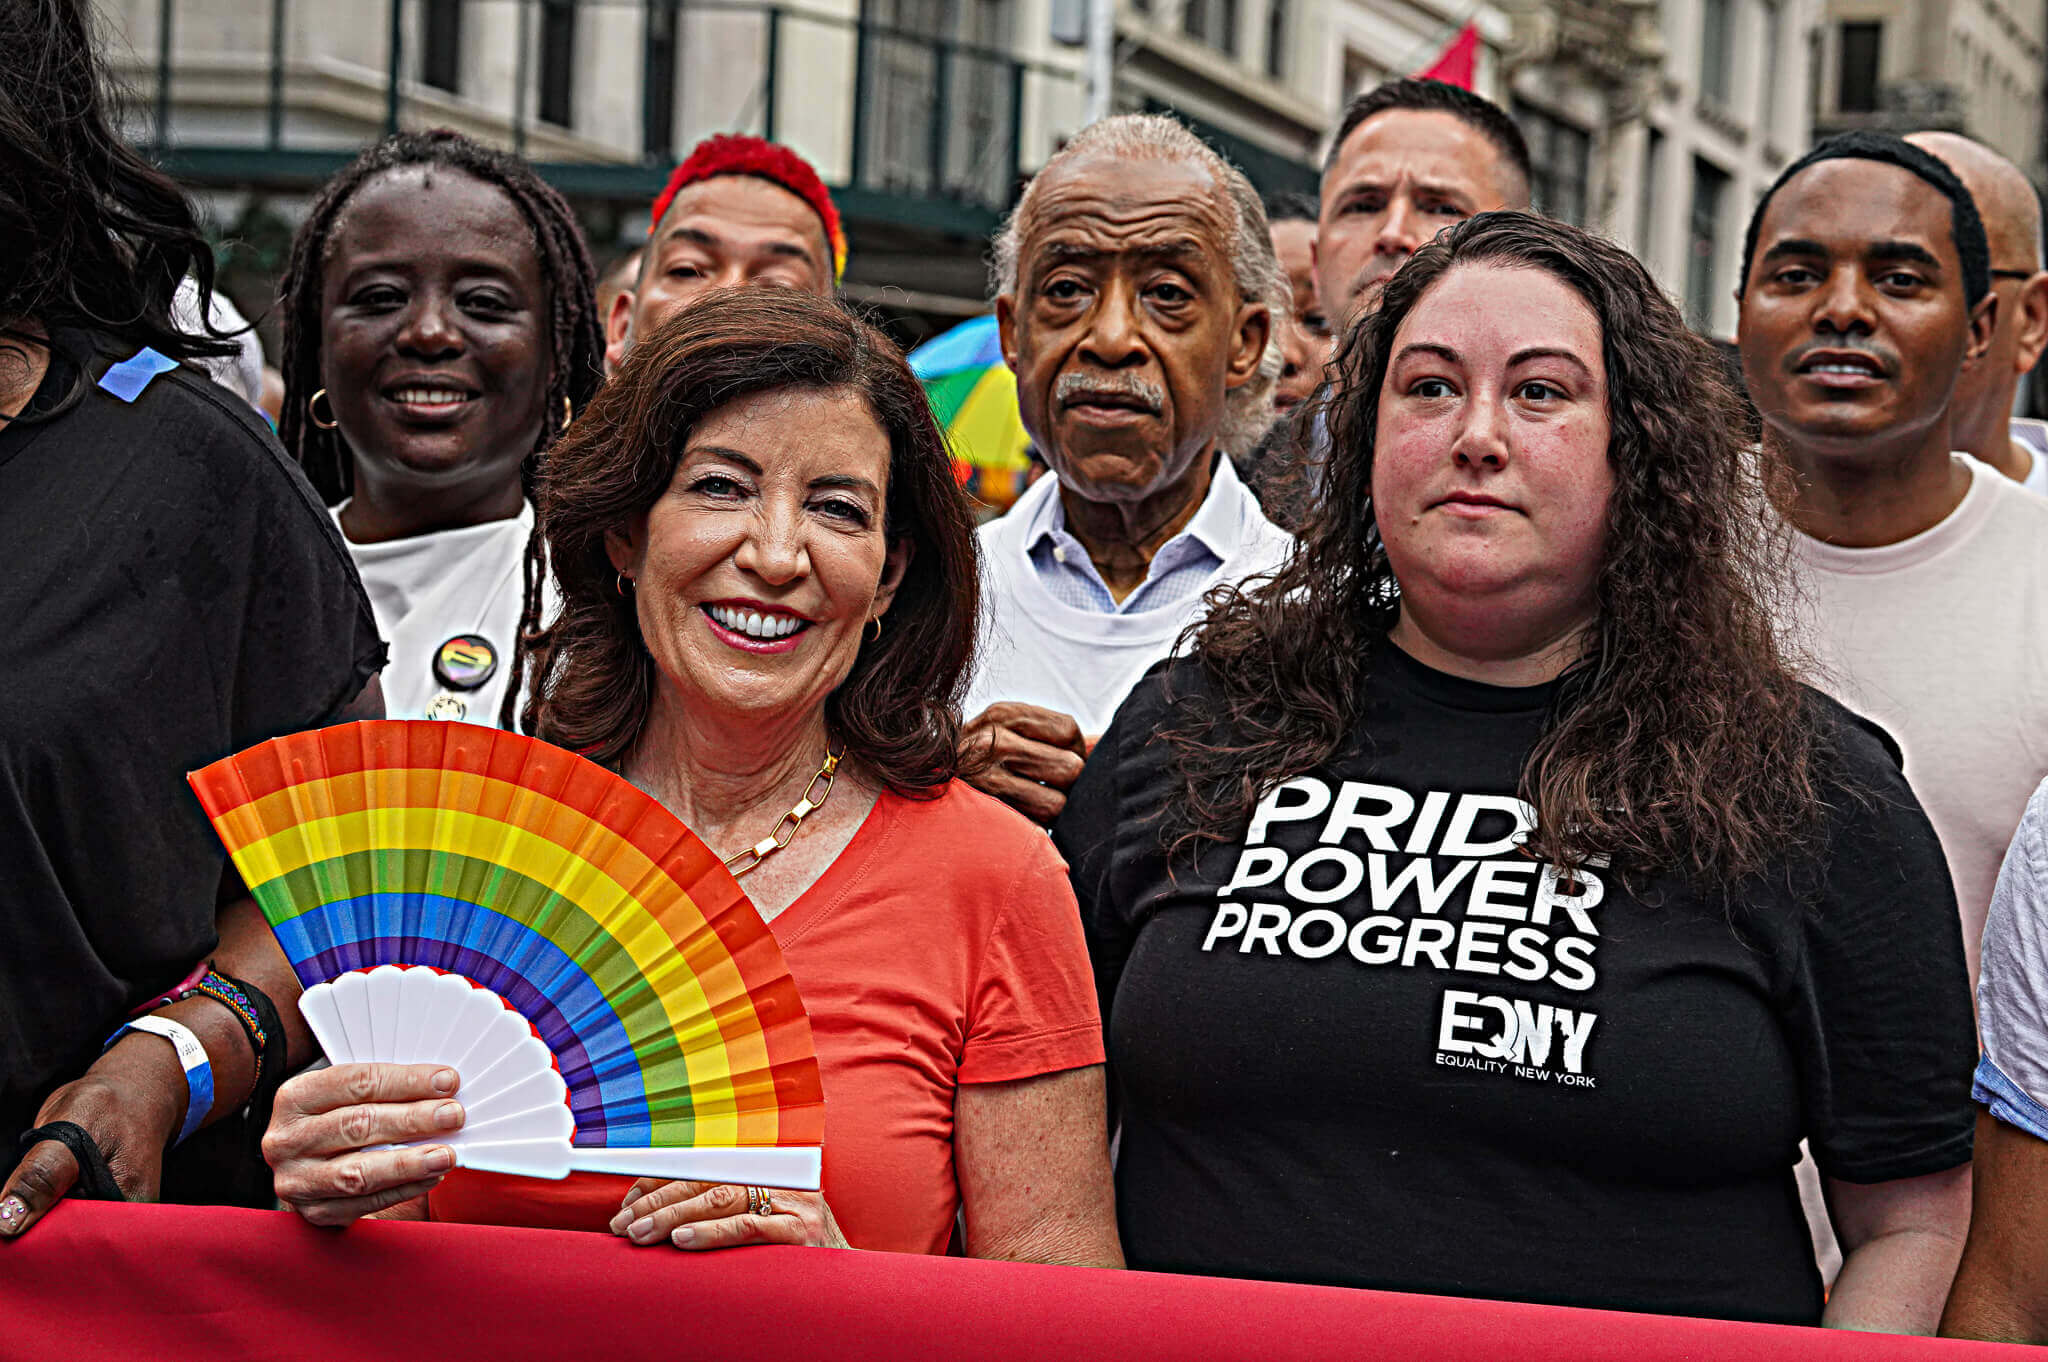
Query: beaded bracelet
226, 992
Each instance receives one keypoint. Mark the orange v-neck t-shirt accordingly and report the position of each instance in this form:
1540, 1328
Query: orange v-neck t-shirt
942, 947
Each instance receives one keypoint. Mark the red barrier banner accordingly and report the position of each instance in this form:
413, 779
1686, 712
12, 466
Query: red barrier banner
98, 1280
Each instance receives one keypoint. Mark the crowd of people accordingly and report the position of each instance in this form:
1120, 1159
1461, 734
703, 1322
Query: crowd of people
1459, 792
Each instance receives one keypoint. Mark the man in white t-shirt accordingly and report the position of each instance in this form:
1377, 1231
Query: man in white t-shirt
1866, 291
1984, 424
1137, 297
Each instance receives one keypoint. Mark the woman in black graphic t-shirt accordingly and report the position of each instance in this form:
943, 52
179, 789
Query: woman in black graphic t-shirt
1485, 908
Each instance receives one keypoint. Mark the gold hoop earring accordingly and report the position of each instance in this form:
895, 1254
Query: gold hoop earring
313, 410
568, 412
875, 620
624, 586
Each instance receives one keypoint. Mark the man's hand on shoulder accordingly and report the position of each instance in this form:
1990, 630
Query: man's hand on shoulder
1025, 755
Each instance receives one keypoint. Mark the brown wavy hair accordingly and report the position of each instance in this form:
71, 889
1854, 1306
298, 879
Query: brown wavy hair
1681, 740
897, 710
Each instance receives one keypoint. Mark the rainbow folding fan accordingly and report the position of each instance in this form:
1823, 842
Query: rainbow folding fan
459, 895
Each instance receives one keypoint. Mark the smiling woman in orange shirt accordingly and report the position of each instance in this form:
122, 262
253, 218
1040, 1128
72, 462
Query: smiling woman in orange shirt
769, 591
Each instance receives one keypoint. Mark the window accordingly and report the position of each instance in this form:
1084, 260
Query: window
1276, 39
558, 61
658, 101
963, 147
441, 44
1709, 195
1361, 73
1856, 91
1716, 39
1560, 158
1213, 22
1767, 106
1653, 191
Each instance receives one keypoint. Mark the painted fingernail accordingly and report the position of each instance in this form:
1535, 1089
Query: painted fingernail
685, 1236
13, 1215
448, 1115
439, 1160
641, 1230
444, 1081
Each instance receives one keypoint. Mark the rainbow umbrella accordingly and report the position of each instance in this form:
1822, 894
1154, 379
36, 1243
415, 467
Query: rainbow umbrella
974, 396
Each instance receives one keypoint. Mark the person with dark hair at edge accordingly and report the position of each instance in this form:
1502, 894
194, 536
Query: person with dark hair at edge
616, 278
1273, 467
174, 592
1137, 297
1985, 427
1866, 291
439, 334
1488, 873
1306, 341
769, 602
737, 211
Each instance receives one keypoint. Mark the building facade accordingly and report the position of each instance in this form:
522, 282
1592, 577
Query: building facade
1266, 80
1731, 107
1971, 66
1655, 122
923, 115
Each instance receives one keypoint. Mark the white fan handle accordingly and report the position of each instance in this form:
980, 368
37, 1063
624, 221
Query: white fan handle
796, 1168
772, 1166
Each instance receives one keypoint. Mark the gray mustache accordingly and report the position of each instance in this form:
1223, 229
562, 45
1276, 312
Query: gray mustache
1073, 386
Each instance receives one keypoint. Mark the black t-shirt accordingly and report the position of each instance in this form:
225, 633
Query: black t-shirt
174, 591
1371, 1044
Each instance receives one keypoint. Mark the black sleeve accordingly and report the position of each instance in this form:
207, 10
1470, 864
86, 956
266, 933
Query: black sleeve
1086, 835
1881, 998
304, 642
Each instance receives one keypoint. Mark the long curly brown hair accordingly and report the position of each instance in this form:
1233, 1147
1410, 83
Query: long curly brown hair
1681, 740
897, 710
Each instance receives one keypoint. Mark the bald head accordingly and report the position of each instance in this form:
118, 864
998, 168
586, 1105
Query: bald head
1982, 407
2006, 202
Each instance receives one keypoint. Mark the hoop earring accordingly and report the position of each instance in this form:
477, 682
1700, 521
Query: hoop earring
313, 410
568, 412
623, 587
875, 637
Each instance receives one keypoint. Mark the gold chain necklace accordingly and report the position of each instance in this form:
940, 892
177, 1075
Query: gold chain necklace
815, 794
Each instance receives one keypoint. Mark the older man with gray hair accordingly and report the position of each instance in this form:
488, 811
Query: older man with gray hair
1138, 298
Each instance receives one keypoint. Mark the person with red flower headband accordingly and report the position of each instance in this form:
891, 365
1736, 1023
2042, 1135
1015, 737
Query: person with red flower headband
737, 211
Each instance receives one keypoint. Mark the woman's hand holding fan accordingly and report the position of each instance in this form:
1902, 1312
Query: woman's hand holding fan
461, 900
331, 1131
715, 1215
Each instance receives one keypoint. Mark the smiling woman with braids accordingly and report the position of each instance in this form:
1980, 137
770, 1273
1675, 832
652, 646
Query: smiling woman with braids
1488, 878
440, 332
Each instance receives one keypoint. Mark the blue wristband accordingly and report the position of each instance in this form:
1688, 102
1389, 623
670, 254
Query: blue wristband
191, 1054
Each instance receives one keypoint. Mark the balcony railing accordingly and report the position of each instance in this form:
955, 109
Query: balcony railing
603, 95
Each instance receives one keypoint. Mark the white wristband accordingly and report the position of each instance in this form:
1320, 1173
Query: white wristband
191, 1054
